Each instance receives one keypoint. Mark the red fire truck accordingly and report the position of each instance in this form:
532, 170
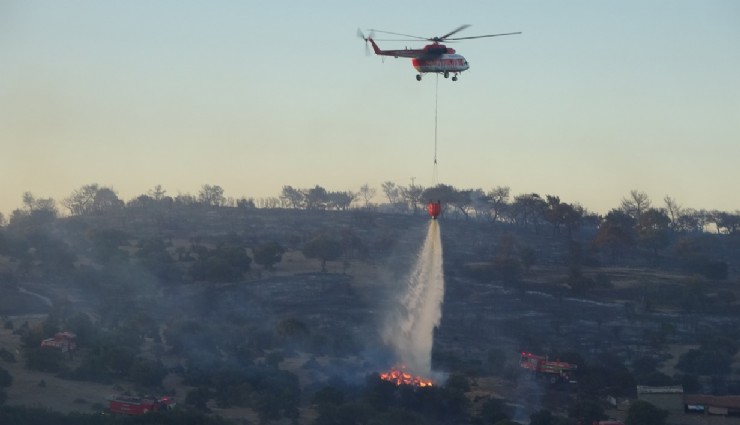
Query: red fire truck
129, 405
551, 371
62, 341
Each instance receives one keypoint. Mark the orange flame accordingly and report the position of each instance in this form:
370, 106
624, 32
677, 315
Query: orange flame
399, 376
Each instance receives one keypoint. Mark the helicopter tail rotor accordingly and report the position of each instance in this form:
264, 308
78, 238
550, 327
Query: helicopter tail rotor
362, 36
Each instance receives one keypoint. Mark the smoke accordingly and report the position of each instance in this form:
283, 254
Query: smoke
410, 328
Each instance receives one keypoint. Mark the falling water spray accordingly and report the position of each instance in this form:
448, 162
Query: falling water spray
410, 332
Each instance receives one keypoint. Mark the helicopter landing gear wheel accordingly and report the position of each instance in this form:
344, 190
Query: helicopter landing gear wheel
447, 74
418, 77
454, 78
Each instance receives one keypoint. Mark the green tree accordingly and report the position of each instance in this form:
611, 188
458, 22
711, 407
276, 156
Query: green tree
329, 395
527, 256
211, 195
506, 263
147, 373
616, 232
227, 262
317, 198
106, 243
586, 411
324, 249
269, 254
341, 200
6, 379
545, 417
494, 410
653, 229
293, 198
198, 398
643, 413
154, 256
705, 361
528, 209
291, 328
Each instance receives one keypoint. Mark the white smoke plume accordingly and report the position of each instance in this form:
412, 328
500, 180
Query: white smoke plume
410, 329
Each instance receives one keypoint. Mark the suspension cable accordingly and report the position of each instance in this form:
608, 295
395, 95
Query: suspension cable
435, 176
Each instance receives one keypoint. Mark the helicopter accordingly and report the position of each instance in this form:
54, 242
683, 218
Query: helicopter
433, 58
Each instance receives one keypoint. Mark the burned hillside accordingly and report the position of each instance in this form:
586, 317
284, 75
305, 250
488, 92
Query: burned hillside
173, 301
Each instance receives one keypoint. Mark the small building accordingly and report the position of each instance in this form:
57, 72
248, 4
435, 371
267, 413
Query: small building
712, 404
668, 398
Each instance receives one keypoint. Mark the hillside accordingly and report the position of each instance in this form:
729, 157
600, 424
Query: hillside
173, 302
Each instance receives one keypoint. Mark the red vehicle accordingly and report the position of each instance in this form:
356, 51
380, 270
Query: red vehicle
128, 405
551, 371
62, 341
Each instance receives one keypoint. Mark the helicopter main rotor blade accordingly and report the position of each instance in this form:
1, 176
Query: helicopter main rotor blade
402, 35
483, 36
455, 31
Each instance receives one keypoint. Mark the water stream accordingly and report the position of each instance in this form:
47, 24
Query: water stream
411, 331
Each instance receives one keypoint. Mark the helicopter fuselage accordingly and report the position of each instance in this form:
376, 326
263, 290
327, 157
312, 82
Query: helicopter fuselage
434, 58
447, 62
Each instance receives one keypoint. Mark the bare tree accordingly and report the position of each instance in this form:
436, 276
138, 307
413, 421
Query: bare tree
81, 200
499, 199
635, 204
391, 191
412, 195
269, 202
367, 193
673, 209
157, 193
481, 203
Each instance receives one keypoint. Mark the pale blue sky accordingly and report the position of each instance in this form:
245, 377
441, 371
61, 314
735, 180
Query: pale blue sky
594, 99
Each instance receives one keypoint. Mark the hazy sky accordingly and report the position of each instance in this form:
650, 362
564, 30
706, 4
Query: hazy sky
594, 99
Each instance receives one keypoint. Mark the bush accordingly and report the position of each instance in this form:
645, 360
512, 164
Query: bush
5, 378
44, 360
147, 373
710, 269
705, 362
7, 355
644, 413
198, 398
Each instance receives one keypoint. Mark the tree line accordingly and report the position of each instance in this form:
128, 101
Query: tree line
495, 205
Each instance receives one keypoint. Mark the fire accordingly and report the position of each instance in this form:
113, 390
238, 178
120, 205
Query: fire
399, 376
